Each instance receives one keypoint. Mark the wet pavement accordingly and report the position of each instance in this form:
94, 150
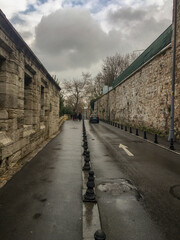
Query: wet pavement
44, 201
152, 210
138, 196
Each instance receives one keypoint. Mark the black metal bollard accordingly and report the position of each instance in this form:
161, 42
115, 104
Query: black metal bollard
130, 129
137, 133
86, 147
86, 166
121, 126
155, 138
85, 150
85, 144
118, 125
90, 196
87, 153
85, 138
125, 129
99, 235
91, 176
172, 144
145, 135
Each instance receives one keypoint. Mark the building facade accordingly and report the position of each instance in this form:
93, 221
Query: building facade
29, 98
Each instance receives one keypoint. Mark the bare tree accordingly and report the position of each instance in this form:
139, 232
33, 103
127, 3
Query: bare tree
79, 92
113, 66
74, 91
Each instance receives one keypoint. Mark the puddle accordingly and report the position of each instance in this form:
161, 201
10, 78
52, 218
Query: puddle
121, 186
37, 215
136, 141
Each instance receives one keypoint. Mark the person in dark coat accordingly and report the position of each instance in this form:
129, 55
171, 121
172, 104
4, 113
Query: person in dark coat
74, 116
79, 116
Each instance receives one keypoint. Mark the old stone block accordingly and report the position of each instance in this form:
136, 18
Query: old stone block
3, 125
20, 103
8, 101
28, 119
5, 140
13, 159
16, 134
12, 124
26, 150
3, 114
28, 130
13, 113
20, 122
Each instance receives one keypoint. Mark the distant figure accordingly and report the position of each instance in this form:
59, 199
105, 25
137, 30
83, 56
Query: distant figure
79, 116
74, 116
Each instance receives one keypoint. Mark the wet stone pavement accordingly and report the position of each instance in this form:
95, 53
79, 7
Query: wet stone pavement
43, 201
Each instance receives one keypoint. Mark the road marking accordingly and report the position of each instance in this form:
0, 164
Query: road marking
125, 149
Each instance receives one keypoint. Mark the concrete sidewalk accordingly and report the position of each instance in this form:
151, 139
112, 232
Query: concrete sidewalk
43, 201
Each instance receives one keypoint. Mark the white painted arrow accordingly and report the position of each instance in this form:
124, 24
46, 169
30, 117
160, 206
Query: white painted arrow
125, 149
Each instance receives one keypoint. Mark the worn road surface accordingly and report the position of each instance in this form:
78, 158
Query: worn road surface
43, 200
138, 193
137, 188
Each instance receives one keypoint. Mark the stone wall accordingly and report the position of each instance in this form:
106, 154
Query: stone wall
144, 99
177, 80
29, 99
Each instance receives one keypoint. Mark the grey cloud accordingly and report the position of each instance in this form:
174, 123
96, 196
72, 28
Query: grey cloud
26, 35
127, 14
17, 20
72, 38
138, 26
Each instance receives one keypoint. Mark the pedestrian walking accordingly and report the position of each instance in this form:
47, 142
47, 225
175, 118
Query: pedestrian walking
80, 116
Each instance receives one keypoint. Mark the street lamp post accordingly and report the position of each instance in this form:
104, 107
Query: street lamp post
171, 131
108, 103
108, 107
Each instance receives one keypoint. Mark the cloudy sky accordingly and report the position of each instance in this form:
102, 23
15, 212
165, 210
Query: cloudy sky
73, 36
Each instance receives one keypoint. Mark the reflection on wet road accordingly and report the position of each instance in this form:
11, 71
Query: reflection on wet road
152, 171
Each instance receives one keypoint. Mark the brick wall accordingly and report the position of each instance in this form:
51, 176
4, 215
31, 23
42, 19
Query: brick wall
177, 80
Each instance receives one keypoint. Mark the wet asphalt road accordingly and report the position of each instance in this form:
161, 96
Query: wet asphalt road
139, 196
43, 200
